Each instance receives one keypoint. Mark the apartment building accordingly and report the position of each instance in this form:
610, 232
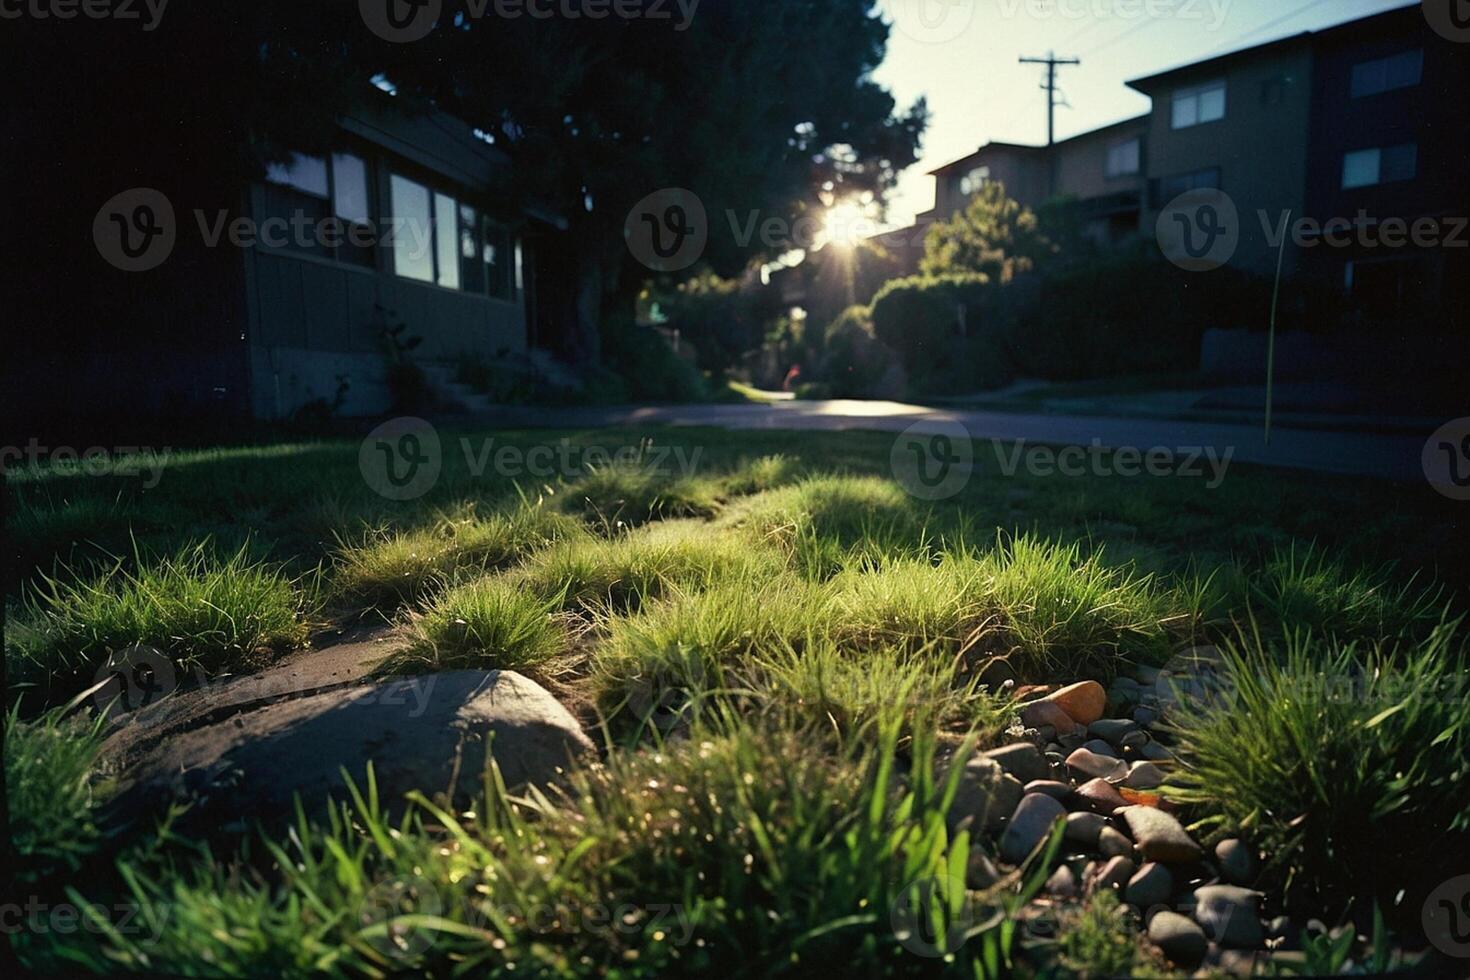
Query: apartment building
1360, 121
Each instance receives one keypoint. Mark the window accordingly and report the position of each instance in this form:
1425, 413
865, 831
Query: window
446, 241
471, 266
1123, 158
1379, 165
974, 180
307, 175
331, 195
1199, 104
1169, 188
413, 229
499, 259
1386, 74
350, 205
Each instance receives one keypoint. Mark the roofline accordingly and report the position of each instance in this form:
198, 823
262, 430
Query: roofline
1130, 121
993, 144
1255, 49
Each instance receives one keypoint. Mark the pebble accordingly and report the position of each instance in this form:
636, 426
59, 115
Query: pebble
1181, 940
986, 794
1072, 742
1145, 716
1228, 915
1098, 747
1159, 836
1112, 842
1237, 864
1062, 883
1134, 740
1146, 676
1029, 826
980, 872
1154, 752
1022, 760
1046, 713
1083, 701
1115, 874
1084, 828
1111, 730
1054, 788
1144, 776
1086, 764
1151, 885
1099, 796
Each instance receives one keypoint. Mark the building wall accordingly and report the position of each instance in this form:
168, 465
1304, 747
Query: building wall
1260, 146
1429, 115
1022, 171
1080, 163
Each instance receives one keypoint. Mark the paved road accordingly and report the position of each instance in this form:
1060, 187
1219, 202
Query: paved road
1389, 456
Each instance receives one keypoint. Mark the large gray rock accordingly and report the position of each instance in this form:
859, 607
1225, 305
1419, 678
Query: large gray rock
1085, 764
1237, 863
1181, 940
1029, 826
1152, 885
430, 733
1159, 836
1230, 915
1083, 828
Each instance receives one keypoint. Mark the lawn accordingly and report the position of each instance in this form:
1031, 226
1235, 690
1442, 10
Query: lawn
782, 656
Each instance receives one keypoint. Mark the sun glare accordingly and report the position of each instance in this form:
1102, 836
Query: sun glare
846, 224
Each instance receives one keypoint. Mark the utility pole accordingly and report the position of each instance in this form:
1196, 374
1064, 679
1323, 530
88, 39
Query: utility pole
1051, 61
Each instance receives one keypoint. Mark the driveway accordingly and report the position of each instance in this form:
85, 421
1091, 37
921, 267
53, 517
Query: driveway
1392, 456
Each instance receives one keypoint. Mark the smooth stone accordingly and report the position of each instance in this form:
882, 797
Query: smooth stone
1046, 735
1111, 730
1098, 747
980, 871
1124, 681
1111, 842
1238, 864
1083, 828
1159, 836
1086, 764
1145, 716
429, 733
1084, 701
1056, 789
1099, 796
1146, 676
1181, 940
986, 794
1062, 883
1144, 776
1134, 740
1054, 759
1046, 713
1115, 874
1022, 760
1151, 885
1154, 752
1229, 915
1029, 826
1072, 742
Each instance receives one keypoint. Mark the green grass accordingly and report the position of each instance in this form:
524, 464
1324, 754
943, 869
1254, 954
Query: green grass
790, 639
743, 851
1097, 942
1349, 766
203, 610
484, 625
53, 790
624, 571
386, 569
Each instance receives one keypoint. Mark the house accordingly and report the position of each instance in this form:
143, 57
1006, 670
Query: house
446, 253
1361, 117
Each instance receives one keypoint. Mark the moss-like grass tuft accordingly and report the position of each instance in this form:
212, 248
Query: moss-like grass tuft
489, 624
202, 610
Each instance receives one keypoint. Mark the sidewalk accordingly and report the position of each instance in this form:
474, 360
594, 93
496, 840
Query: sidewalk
1383, 455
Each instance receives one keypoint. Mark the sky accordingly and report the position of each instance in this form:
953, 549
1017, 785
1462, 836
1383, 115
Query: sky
963, 56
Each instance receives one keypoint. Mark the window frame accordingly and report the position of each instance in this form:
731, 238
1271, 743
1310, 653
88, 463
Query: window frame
339, 253
1194, 94
1385, 63
1380, 154
1134, 141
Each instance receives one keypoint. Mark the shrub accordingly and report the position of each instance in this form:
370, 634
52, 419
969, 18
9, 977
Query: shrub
1349, 767
198, 609
852, 364
648, 365
953, 333
719, 317
485, 625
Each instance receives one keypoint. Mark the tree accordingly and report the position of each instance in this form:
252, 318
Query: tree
994, 236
